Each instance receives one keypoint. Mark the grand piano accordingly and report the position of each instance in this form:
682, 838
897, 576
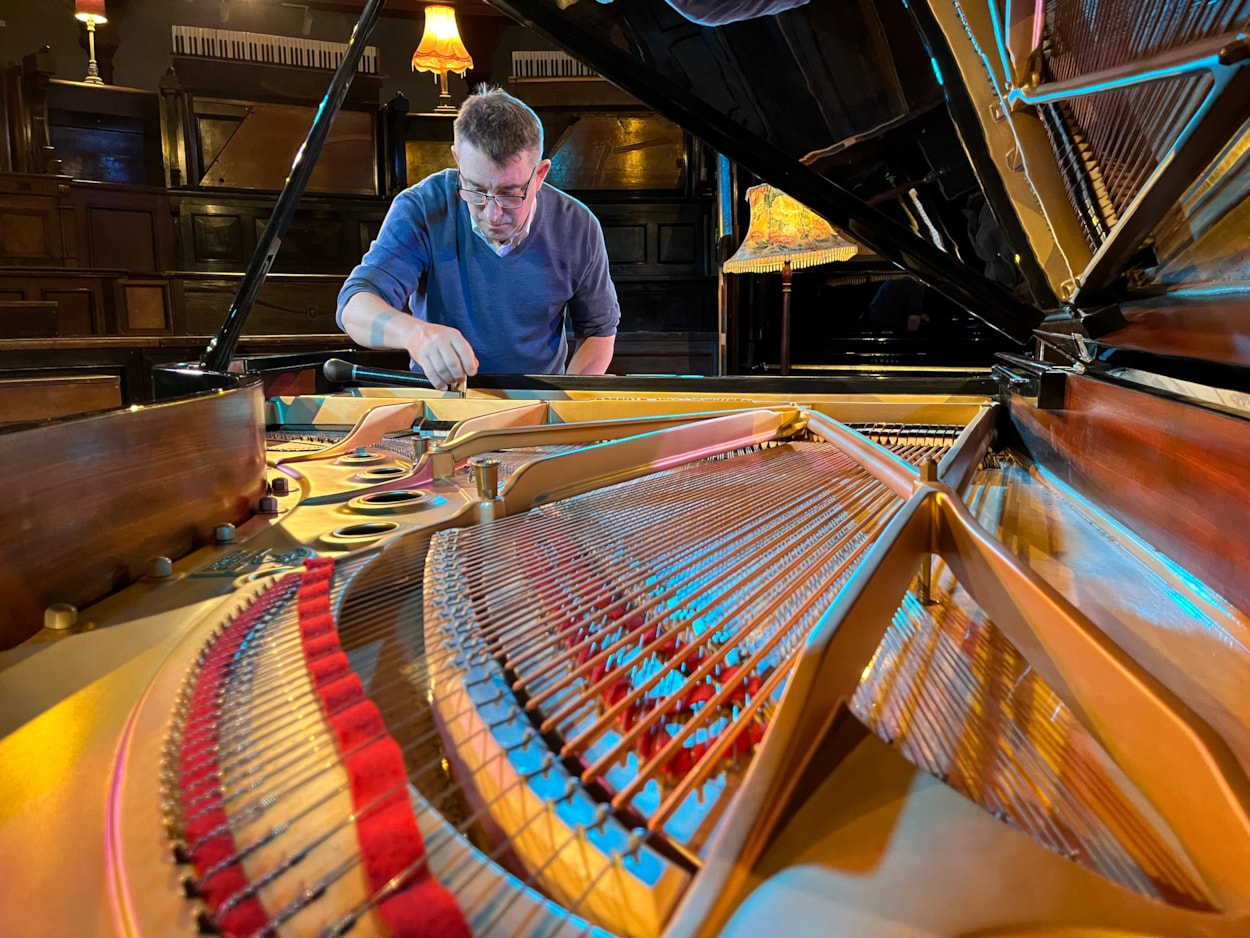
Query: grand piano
887, 651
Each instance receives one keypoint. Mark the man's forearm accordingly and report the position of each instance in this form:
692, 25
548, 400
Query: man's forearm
371, 322
592, 356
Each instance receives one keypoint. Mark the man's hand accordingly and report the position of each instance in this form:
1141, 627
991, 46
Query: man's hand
442, 352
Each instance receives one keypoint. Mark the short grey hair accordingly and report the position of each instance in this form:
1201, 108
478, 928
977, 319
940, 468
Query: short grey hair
499, 125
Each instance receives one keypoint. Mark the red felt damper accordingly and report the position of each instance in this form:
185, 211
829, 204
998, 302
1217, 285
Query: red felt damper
386, 828
206, 828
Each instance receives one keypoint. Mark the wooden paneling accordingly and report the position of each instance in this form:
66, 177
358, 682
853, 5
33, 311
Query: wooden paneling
79, 308
145, 309
26, 232
121, 239
1170, 471
677, 305
124, 228
326, 235
84, 301
216, 236
664, 353
626, 244
26, 400
656, 240
54, 222
21, 319
678, 244
36, 222
662, 267
288, 304
319, 243
132, 357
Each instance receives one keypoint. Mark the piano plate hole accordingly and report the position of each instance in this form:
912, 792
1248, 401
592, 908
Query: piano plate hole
381, 472
354, 535
360, 459
390, 501
366, 529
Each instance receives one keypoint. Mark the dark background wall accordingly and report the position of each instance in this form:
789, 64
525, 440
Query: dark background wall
129, 212
140, 29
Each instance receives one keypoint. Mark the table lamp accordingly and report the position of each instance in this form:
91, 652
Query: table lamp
441, 50
91, 12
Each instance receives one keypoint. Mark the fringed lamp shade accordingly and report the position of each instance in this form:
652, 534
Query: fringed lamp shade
783, 231
441, 50
785, 234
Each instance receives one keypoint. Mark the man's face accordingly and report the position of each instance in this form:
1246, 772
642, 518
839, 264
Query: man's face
520, 176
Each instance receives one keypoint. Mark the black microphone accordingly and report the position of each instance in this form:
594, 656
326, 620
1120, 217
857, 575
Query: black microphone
343, 372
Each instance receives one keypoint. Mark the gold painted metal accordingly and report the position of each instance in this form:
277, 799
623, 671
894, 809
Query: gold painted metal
823, 680
1107, 693
1127, 711
568, 474
456, 449
1024, 25
961, 461
1038, 193
889, 468
372, 426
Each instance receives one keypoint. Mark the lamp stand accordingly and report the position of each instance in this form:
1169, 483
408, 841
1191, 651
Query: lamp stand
93, 70
785, 317
444, 96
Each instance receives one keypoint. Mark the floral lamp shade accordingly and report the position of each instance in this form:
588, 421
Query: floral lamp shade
785, 234
785, 230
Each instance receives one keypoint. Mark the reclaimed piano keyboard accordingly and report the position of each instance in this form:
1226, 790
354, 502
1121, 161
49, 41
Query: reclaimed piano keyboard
242, 46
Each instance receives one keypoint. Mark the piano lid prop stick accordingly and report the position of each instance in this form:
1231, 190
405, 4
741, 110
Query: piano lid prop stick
220, 350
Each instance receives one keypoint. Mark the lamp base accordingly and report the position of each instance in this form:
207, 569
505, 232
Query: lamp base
785, 317
93, 70
444, 97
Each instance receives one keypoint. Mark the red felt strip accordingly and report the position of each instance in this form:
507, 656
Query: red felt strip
386, 828
206, 828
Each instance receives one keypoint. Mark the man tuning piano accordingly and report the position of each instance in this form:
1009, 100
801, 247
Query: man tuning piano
475, 267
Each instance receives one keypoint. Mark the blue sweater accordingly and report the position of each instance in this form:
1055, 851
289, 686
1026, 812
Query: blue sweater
511, 308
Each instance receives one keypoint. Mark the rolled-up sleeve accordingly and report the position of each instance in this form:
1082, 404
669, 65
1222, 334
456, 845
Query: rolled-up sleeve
594, 310
397, 259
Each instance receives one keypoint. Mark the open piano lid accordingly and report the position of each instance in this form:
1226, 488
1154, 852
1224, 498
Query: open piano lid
1019, 158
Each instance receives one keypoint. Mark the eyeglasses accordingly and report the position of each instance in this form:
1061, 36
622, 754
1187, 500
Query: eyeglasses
477, 197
